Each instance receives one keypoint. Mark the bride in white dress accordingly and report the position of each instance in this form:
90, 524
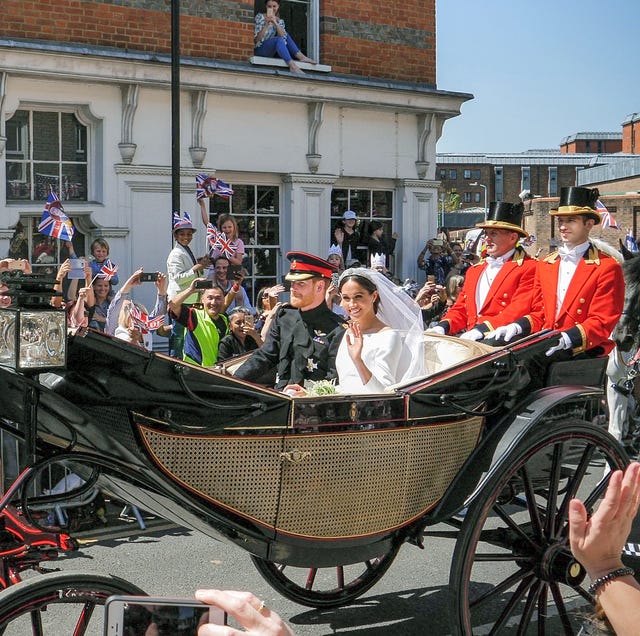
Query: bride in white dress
382, 345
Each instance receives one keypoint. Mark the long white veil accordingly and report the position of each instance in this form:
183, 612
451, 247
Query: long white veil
399, 311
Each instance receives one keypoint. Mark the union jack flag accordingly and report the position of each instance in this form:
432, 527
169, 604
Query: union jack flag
207, 186
143, 322
108, 270
606, 218
630, 242
219, 241
54, 222
223, 189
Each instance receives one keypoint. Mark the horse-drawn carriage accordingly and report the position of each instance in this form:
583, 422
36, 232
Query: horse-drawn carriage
323, 491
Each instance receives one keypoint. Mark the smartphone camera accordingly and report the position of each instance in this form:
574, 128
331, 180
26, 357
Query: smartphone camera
203, 284
125, 615
148, 277
77, 268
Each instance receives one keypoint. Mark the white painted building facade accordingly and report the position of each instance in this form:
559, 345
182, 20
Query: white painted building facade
305, 142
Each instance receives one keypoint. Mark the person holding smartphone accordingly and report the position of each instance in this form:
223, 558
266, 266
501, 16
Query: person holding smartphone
204, 327
119, 323
243, 336
272, 40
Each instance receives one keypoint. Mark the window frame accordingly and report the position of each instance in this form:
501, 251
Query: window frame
92, 162
254, 282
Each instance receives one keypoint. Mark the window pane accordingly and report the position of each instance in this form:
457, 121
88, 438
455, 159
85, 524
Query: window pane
467, 174
268, 230
74, 139
74, 182
453, 174
268, 201
360, 202
243, 199
382, 203
17, 133
18, 185
45, 136
476, 174
46, 178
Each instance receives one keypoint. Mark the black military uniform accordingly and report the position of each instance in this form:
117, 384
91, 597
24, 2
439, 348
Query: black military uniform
301, 345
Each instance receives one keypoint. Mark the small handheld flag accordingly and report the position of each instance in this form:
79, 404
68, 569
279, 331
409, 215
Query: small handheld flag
143, 322
207, 186
108, 270
606, 218
54, 222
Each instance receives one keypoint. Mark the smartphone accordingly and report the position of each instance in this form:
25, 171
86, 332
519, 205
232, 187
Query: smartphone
335, 278
148, 277
125, 615
431, 278
269, 12
203, 284
77, 268
16, 265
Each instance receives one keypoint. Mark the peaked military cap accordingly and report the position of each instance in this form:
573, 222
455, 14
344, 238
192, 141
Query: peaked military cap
305, 266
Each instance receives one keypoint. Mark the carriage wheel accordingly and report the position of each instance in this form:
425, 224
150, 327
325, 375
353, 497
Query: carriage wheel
325, 587
59, 603
512, 570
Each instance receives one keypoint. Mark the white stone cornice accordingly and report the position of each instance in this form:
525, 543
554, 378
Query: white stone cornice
310, 179
157, 171
113, 232
422, 184
63, 65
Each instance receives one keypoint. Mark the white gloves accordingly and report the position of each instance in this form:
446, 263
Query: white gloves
506, 333
472, 334
437, 330
563, 344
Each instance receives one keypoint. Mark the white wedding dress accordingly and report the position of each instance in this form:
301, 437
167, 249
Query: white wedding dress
382, 354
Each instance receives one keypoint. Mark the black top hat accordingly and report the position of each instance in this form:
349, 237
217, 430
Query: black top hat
504, 216
305, 266
575, 200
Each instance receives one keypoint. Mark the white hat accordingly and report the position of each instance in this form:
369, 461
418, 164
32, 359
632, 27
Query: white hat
335, 249
378, 261
349, 214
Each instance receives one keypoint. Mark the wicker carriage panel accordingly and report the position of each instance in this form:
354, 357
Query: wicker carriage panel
240, 473
348, 485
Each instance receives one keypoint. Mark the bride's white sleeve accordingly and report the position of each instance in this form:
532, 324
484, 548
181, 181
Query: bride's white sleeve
383, 362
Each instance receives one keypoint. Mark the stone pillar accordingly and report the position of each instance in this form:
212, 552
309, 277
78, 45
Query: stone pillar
305, 222
417, 218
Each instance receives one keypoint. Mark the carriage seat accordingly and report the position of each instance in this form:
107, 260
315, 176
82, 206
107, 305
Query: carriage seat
443, 352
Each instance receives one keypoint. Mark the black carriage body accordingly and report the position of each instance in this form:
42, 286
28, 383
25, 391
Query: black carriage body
312, 481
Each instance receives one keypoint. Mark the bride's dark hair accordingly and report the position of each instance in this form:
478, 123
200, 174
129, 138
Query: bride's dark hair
369, 285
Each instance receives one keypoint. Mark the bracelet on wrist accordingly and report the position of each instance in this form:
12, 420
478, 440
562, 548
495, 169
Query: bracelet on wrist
610, 576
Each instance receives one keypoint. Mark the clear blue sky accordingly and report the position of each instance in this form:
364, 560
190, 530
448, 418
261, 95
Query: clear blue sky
539, 70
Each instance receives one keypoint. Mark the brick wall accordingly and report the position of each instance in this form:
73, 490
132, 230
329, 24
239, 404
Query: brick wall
355, 37
625, 208
631, 136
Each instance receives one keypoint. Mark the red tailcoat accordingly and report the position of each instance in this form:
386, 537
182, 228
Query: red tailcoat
509, 297
591, 307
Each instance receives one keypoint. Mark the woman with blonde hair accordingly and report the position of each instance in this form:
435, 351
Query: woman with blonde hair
119, 321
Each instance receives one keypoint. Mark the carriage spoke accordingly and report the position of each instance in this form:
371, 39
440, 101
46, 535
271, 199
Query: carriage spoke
572, 486
508, 520
508, 583
529, 607
340, 573
530, 495
311, 577
562, 610
489, 557
552, 492
517, 596
542, 610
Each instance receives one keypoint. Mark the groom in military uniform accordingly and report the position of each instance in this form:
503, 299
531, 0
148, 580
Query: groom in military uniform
305, 334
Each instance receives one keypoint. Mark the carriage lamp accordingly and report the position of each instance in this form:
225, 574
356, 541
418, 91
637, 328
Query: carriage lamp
32, 333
